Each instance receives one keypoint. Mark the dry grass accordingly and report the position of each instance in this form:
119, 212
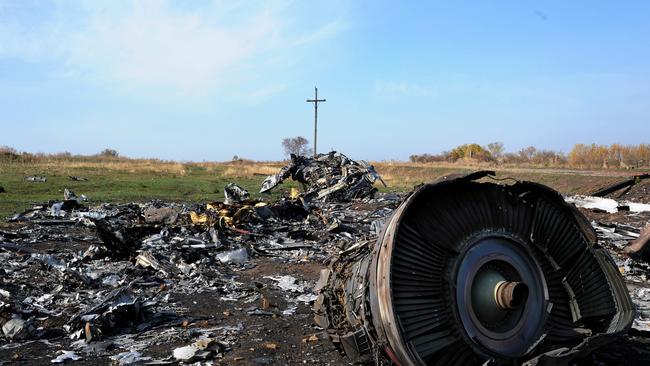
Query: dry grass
404, 175
248, 170
110, 165
407, 175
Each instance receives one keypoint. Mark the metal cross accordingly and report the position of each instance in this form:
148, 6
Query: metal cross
315, 101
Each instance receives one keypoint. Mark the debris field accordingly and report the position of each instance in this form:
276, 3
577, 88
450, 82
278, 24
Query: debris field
237, 282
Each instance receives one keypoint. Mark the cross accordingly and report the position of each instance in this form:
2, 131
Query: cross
315, 101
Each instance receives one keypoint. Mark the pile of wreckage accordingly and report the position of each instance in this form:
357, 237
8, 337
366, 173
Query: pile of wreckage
328, 177
101, 281
97, 280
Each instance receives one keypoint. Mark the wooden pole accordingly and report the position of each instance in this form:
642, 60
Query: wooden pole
315, 101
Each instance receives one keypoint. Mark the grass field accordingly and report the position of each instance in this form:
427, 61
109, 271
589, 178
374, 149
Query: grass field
123, 180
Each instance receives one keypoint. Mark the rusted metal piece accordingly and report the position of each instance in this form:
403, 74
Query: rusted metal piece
466, 272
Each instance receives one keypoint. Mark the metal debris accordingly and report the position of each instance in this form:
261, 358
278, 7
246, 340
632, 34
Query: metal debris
66, 356
17, 329
202, 349
129, 357
607, 204
234, 194
287, 283
627, 184
160, 215
36, 178
69, 195
114, 280
328, 177
428, 291
237, 256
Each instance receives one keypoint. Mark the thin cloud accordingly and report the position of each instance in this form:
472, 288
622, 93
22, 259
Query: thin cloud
155, 48
328, 30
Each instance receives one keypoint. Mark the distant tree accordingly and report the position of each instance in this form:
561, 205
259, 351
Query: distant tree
109, 153
527, 154
496, 149
296, 145
470, 152
235, 157
8, 150
511, 158
548, 158
8, 153
429, 158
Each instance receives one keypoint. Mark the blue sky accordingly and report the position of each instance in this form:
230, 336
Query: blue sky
206, 80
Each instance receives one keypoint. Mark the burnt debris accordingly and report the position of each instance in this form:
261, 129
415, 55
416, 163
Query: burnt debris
234, 194
115, 280
621, 188
328, 177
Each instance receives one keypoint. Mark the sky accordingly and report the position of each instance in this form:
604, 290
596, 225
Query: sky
206, 80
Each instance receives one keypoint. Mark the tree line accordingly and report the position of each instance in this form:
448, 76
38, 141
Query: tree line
580, 156
593, 156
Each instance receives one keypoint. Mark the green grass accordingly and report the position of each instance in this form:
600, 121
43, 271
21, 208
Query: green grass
121, 180
195, 184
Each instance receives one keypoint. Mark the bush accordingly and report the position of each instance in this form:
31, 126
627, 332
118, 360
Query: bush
109, 153
470, 152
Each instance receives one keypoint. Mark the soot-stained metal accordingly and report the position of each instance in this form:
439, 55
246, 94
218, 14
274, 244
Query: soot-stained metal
468, 271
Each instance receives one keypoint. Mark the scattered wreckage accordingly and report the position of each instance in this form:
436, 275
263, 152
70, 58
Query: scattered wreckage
411, 280
105, 280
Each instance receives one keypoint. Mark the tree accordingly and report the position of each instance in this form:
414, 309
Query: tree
496, 149
470, 152
527, 154
109, 153
295, 145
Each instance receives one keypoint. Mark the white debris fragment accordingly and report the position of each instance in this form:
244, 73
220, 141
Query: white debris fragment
111, 280
189, 353
606, 204
202, 349
234, 256
128, 358
51, 260
291, 310
16, 328
307, 298
287, 283
65, 356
